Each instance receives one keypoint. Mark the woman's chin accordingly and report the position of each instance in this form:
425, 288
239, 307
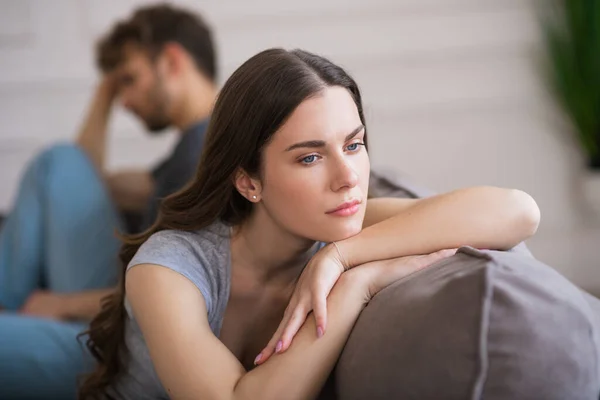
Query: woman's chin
346, 231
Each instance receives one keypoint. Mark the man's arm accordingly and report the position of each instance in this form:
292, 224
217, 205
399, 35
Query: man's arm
92, 134
131, 190
84, 305
65, 306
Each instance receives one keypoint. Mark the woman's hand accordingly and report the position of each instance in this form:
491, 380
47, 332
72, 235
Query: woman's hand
377, 275
310, 294
319, 277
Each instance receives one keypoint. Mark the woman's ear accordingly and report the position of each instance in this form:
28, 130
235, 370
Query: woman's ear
248, 187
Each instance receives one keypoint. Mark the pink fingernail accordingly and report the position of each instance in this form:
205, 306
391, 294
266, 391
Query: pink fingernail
319, 332
257, 359
279, 346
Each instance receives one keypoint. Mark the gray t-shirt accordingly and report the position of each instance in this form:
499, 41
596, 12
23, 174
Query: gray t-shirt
203, 257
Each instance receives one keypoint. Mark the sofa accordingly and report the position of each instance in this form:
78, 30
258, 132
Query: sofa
479, 325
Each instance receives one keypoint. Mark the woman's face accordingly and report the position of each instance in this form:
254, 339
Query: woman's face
316, 169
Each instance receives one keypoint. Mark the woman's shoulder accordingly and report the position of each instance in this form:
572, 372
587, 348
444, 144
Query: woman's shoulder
200, 256
181, 250
211, 236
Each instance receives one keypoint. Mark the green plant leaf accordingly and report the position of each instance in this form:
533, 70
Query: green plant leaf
571, 30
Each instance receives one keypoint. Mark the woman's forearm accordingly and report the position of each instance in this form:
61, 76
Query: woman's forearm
482, 217
301, 371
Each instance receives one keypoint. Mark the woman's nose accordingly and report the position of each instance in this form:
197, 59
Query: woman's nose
345, 177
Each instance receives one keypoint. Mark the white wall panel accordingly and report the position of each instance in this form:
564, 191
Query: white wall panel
452, 94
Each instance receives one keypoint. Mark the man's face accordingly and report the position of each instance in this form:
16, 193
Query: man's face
142, 90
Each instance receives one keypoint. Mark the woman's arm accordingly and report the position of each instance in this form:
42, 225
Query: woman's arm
482, 217
192, 363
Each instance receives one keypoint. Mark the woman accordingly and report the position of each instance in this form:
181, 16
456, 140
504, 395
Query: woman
285, 170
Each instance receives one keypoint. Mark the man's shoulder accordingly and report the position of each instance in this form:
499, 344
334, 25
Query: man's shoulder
182, 162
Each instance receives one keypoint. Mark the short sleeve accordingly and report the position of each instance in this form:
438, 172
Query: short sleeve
180, 252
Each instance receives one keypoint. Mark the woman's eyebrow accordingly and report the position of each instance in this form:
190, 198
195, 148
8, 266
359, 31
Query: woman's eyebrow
320, 143
355, 132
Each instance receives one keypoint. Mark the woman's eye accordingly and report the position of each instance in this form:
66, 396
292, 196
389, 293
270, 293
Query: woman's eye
354, 146
309, 159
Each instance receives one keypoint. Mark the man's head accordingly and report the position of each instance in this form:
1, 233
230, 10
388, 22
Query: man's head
153, 55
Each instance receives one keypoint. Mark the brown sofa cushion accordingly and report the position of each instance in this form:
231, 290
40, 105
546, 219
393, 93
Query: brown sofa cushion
479, 325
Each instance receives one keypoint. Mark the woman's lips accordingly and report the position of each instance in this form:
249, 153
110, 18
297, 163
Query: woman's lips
347, 209
346, 212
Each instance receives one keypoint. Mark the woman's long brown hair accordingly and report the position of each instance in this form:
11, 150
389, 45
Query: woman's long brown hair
254, 102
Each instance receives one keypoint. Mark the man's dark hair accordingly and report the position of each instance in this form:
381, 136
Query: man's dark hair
151, 28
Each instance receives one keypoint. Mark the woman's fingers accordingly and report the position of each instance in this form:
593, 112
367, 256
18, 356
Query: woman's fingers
293, 326
432, 258
282, 338
387, 272
271, 347
320, 312
426, 260
268, 351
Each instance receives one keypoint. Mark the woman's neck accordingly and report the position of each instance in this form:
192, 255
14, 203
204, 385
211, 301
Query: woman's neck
267, 252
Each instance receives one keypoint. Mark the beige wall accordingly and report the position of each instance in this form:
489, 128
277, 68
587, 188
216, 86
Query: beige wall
451, 89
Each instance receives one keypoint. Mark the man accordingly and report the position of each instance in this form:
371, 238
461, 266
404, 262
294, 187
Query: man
58, 248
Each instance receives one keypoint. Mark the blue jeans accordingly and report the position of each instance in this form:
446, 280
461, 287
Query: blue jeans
60, 236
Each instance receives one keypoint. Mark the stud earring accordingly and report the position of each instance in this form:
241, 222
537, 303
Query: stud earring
254, 197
